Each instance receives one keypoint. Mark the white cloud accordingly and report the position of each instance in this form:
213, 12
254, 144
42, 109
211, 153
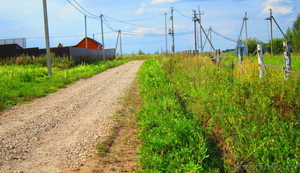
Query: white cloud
151, 10
162, 1
276, 7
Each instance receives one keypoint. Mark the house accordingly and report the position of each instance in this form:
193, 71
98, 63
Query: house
91, 44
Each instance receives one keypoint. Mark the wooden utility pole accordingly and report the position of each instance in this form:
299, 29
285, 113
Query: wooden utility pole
47, 38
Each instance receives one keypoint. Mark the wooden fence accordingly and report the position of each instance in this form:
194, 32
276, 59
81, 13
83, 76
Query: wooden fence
262, 67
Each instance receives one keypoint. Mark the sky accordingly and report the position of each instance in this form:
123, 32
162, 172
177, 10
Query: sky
142, 23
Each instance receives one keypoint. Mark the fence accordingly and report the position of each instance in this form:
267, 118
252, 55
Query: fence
78, 54
262, 67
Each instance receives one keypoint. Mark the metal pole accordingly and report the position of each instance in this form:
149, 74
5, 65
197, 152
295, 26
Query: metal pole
103, 49
287, 59
85, 26
260, 60
47, 38
166, 33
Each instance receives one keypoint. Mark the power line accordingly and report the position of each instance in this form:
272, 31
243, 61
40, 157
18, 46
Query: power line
183, 14
108, 25
133, 24
85, 9
76, 8
223, 36
145, 18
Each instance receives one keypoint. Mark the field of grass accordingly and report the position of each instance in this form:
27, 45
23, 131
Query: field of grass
252, 122
172, 141
22, 82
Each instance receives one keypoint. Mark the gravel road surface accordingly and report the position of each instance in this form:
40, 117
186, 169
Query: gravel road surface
57, 133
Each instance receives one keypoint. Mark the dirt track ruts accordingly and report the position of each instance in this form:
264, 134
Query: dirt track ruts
57, 133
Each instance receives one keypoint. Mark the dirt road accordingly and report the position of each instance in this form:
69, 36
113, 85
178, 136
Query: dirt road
57, 133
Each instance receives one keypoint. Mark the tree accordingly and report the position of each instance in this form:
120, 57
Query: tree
141, 52
278, 45
293, 34
252, 44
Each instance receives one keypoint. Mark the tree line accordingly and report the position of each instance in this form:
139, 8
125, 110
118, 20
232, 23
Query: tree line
292, 35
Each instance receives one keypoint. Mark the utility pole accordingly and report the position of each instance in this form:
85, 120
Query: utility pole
86, 42
166, 33
245, 19
195, 19
103, 49
120, 42
171, 32
47, 38
210, 38
201, 45
271, 28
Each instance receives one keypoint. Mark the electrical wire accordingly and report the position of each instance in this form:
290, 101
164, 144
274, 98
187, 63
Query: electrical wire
183, 14
76, 8
85, 9
133, 24
145, 18
108, 25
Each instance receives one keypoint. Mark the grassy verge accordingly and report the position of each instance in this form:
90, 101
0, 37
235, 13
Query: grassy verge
21, 83
172, 141
254, 121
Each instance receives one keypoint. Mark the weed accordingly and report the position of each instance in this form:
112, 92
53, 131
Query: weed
251, 119
20, 83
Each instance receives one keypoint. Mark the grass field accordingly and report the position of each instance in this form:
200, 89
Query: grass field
252, 121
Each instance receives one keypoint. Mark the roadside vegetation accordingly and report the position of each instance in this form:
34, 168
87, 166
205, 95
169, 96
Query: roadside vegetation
202, 117
24, 78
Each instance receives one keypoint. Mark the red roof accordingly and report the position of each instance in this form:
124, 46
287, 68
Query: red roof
91, 44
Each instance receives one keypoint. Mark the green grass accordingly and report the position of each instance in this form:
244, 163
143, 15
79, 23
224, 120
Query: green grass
253, 120
21, 83
172, 141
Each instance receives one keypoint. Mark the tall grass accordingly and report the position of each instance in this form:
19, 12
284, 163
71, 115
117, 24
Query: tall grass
20, 83
64, 62
172, 140
254, 121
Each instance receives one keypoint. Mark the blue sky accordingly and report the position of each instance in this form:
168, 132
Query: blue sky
143, 22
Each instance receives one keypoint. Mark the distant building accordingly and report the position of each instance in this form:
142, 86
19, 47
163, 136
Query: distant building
12, 46
91, 44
